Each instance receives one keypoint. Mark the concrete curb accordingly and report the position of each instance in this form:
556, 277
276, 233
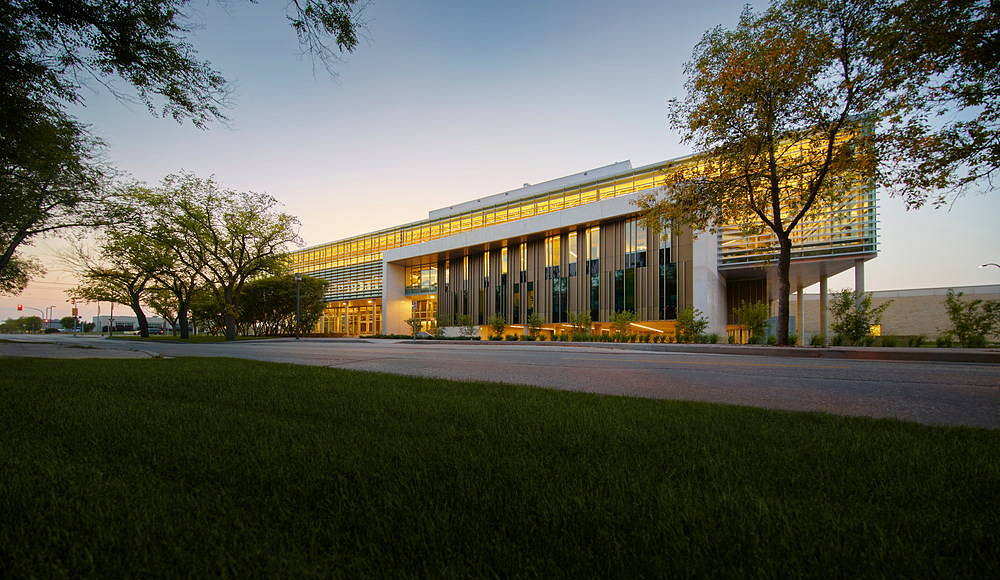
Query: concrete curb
985, 356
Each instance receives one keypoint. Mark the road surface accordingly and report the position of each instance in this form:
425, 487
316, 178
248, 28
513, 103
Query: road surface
933, 393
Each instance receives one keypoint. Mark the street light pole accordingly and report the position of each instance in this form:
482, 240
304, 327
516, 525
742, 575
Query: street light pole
298, 300
989, 264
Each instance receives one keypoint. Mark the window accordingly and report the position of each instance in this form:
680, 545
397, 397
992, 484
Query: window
421, 279
560, 288
553, 257
668, 279
593, 250
531, 298
524, 261
595, 296
516, 314
486, 269
571, 251
635, 244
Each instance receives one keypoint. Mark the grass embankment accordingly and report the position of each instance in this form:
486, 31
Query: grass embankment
225, 467
199, 338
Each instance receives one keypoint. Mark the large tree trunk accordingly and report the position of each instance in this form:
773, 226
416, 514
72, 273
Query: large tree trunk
230, 325
784, 265
140, 316
182, 320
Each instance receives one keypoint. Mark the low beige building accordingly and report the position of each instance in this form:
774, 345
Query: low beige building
911, 312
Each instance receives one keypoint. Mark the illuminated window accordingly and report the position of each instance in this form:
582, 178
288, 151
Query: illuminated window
571, 241
635, 244
553, 257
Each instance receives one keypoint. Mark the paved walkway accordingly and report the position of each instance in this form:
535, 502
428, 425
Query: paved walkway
933, 393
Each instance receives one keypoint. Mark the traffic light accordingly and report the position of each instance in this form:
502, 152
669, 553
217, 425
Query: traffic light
20, 307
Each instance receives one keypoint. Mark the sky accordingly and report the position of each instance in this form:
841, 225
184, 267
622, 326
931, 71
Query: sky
444, 102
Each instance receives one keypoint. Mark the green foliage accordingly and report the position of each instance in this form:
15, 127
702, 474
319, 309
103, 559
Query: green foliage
916, 341
817, 340
583, 325
691, 323
415, 324
888, 341
68, 322
266, 306
753, 315
21, 325
534, 323
852, 318
972, 321
467, 328
497, 324
944, 341
622, 322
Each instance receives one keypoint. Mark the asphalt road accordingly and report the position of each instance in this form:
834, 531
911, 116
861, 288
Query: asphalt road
933, 393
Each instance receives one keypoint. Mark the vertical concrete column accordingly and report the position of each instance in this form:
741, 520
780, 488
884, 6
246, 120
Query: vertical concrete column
708, 286
800, 317
859, 280
822, 306
395, 306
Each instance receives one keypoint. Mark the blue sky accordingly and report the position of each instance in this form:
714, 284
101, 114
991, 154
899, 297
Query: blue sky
447, 101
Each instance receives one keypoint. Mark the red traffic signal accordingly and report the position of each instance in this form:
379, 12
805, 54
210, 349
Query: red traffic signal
20, 307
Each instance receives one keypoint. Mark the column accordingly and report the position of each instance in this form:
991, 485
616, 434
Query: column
395, 305
859, 281
800, 316
822, 307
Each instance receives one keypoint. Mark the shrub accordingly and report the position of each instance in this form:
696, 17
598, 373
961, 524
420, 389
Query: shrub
753, 315
468, 329
944, 341
971, 321
916, 341
582, 324
793, 339
837, 340
497, 325
621, 321
415, 325
854, 318
691, 322
534, 323
817, 340
711, 338
772, 340
888, 341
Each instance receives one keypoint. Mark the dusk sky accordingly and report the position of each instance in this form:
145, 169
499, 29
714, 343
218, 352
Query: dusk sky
443, 102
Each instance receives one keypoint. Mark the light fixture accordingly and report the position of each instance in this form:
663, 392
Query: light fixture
989, 264
646, 327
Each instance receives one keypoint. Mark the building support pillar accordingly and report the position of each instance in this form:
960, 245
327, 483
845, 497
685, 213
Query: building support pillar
822, 307
395, 306
859, 281
800, 317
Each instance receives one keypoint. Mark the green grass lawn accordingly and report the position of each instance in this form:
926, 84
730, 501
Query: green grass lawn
199, 338
202, 467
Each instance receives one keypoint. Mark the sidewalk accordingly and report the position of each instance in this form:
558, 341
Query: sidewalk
961, 355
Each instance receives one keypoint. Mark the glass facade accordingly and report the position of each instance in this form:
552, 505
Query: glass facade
421, 279
571, 243
553, 257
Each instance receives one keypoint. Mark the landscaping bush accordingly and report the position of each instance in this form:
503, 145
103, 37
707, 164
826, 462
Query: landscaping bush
853, 319
944, 341
772, 340
793, 339
916, 341
971, 321
753, 315
691, 322
888, 341
817, 340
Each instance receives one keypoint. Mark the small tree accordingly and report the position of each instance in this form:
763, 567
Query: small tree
973, 321
853, 317
68, 322
691, 323
468, 329
753, 315
621, 321
497, 325
583, 325
534, 324
416, 325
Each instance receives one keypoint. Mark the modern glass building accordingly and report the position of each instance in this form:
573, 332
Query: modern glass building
572, 244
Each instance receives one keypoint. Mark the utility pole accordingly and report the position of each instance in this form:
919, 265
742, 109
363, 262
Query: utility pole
298, 300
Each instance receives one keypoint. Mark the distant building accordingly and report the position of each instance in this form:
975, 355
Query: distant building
911, 311
128, 323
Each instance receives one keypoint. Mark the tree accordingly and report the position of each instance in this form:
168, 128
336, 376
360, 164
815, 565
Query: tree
940, 61
497, 325
468, 329
777, 105
583, 325
227, 238
268, 305
52, 180
753, 315
691, 323
416, 325
854, 316
114, 273
68, 322
164, 304
972, 321
622, 321
534, 323
50, 46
